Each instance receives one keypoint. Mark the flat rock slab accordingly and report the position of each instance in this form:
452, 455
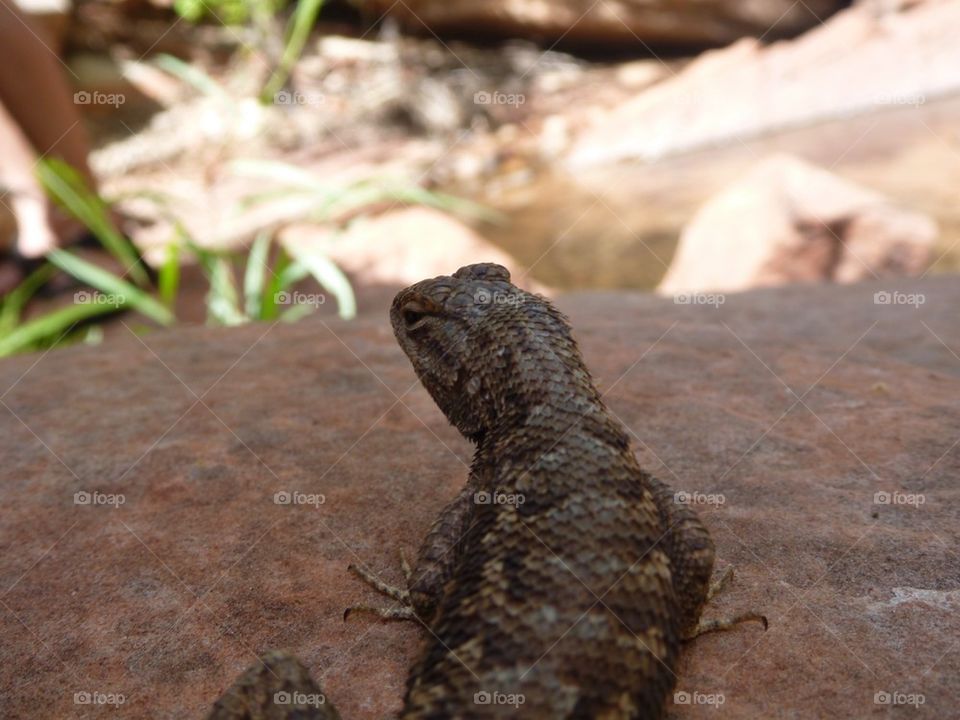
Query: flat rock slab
143, 552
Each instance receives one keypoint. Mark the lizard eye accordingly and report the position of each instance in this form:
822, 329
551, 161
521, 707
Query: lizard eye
413, 315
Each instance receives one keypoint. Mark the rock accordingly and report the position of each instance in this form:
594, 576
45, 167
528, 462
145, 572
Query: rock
402, 246
165, 597
860, 60
627, 23
789, 221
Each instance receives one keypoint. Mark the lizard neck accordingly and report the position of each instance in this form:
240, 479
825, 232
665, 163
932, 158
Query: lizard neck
561, 404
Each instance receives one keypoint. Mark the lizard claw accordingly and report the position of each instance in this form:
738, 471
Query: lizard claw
708, 626
717, 586
402, 612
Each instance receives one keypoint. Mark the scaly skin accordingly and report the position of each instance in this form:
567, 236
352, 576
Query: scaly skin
561, 582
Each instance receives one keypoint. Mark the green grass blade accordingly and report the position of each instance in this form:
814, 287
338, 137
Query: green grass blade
254, 276
302, 22
330, 278
17, 298
110, 284
280, 172
268, 301
371, 192
190, 74
168, 280
222, 299
296, 312
65, 185
50, 327
286, 273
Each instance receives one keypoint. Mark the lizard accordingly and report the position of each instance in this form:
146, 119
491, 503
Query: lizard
563, 579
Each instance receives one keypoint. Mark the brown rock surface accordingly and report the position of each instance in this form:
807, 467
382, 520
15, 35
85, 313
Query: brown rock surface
862, 59
790, 221
624, 22
796, 405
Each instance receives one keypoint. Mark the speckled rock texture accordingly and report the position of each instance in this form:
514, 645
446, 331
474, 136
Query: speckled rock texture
176, 502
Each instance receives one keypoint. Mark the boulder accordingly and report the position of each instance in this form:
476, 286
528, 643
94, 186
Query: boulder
628, 23
862, 59
790, 221
151, 545
400, 247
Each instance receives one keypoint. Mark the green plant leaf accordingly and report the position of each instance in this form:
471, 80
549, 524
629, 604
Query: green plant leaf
296, 312
190, 74
168, 280
281, 279
222, 298
126, 293
255, 275
332, 200
50, 327
64, 184
280, 172
302, 22
18, 298
329, 276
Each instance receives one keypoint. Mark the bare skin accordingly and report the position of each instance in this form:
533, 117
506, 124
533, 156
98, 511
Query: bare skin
38, 118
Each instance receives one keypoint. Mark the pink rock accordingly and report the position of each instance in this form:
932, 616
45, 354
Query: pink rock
789, 221
862, 59
623, 22
402, 246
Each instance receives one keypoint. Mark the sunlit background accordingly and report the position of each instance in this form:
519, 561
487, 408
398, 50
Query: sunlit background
270, 160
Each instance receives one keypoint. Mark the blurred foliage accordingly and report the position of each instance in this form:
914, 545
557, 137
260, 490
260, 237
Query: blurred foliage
228, 12
242, 287
261, 16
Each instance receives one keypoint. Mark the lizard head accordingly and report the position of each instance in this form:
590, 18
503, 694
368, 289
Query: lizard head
483, 348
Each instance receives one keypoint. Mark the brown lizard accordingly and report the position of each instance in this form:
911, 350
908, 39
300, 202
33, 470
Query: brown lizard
562, 580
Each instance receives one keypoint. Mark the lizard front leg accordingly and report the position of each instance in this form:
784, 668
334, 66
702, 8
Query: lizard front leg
691, 553
433, 567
